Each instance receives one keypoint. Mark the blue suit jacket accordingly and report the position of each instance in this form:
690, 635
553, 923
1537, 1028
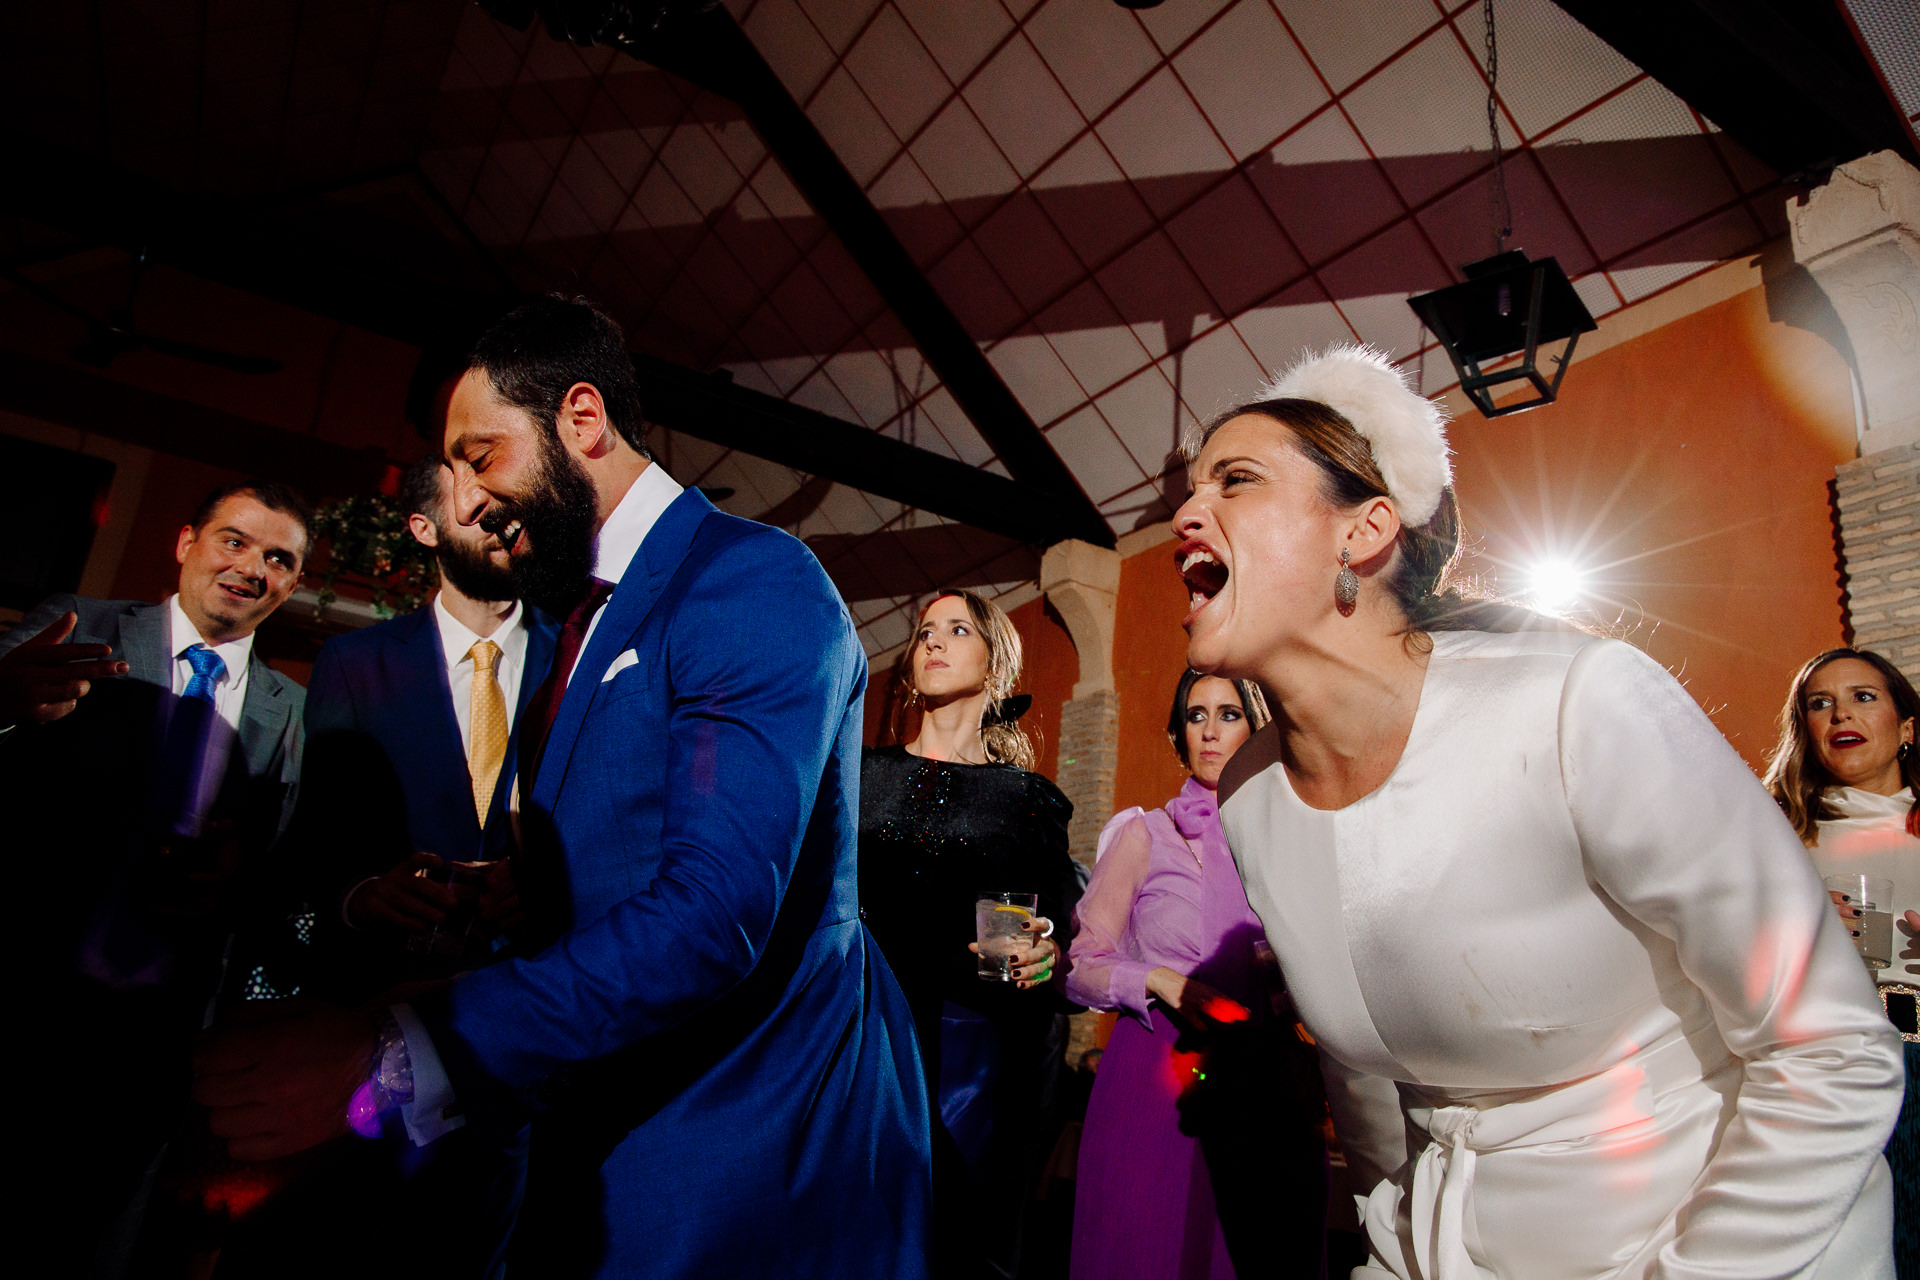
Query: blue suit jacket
379, 698
726, 1071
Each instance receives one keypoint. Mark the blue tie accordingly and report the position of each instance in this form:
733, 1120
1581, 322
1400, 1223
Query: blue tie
207, 670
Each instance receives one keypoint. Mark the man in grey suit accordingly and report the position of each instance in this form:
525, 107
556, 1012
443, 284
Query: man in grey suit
148, 758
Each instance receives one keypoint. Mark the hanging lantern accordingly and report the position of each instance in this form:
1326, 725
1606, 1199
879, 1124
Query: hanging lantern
1507, 306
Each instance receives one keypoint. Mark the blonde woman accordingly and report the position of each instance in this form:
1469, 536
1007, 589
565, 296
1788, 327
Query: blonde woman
954, 811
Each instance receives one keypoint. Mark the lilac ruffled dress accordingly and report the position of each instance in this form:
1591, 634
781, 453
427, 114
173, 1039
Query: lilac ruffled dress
1164, 892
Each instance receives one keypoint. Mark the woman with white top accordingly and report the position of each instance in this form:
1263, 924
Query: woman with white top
1584, 1009
1844, 773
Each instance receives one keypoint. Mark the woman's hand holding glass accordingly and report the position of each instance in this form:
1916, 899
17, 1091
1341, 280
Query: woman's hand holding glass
1034, 959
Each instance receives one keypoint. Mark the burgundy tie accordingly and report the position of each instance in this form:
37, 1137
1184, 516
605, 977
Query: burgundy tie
547, 698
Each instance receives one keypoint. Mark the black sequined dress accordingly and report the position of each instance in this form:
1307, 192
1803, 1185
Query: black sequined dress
934, 834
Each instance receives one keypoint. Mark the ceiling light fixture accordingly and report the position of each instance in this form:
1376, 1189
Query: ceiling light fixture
1507, 306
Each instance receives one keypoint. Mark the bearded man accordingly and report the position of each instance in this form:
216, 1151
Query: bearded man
411, 730
406, 849
721, 1070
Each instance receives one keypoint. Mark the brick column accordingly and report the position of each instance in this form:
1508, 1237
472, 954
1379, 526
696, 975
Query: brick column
1089, 754
1877, 509
1858, 236
1082, 583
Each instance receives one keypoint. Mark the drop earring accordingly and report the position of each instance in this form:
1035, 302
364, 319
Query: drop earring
1346, 585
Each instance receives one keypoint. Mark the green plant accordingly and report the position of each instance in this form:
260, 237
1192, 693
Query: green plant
368, 538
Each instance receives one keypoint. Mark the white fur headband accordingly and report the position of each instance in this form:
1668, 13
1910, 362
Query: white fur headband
1404, 429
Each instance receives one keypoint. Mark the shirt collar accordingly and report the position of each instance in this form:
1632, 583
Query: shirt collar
457, 638
183, 635
628, 524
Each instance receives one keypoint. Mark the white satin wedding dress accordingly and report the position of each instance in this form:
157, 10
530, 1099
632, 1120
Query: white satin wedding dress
1577, 939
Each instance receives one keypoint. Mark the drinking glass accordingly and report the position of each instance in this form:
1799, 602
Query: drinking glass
997, 918
1872, 929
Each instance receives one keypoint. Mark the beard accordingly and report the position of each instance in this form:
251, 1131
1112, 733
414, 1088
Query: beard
558, 512
472, 572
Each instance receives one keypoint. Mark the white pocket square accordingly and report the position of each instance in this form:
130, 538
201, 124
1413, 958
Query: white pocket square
621, 663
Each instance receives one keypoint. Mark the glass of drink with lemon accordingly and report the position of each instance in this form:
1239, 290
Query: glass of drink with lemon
997, 918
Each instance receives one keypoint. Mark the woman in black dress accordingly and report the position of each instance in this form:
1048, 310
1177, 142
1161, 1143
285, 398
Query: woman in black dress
955, 811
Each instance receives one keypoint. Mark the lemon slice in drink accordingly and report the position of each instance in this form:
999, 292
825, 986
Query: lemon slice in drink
1019, 911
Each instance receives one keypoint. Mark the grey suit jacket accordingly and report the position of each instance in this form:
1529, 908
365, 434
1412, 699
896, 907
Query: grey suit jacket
270, 718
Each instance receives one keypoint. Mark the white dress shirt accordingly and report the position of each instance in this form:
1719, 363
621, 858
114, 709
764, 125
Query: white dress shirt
626, 527
230, 690
456, 642
435, 1110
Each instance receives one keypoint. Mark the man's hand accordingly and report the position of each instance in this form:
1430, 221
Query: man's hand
414, 897
44, 678
278, 1077
500, 910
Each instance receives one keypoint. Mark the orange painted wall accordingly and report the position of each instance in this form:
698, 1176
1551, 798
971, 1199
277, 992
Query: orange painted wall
1149, 653
1052, 668
1690, 469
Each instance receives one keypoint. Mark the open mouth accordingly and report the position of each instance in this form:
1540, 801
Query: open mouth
1847, 738
239, 592
1202, 571
505, 529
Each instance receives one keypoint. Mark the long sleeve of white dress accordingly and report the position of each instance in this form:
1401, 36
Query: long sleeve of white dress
1675, 831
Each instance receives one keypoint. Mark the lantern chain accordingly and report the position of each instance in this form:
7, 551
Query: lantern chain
1502, 208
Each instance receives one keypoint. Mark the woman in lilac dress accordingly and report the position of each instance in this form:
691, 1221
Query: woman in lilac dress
1164, 925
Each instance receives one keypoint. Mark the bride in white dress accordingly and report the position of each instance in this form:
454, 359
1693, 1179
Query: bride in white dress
1584, 1007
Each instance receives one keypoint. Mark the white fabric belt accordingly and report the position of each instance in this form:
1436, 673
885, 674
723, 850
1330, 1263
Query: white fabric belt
1438, 1200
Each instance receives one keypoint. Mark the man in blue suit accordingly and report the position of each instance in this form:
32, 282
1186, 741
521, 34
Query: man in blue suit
722, 1069
411, 725
411, 730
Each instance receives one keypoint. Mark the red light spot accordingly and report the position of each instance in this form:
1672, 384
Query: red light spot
390, 481
237, 1190
1221, 1009
1185, 1068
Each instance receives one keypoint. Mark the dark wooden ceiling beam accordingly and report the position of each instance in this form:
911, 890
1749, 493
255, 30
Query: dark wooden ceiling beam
711, 51
256, 250
1786, 79
820, 444
96, 404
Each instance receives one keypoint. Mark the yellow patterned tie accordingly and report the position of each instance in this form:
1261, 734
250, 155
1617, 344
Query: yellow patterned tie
488, 736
